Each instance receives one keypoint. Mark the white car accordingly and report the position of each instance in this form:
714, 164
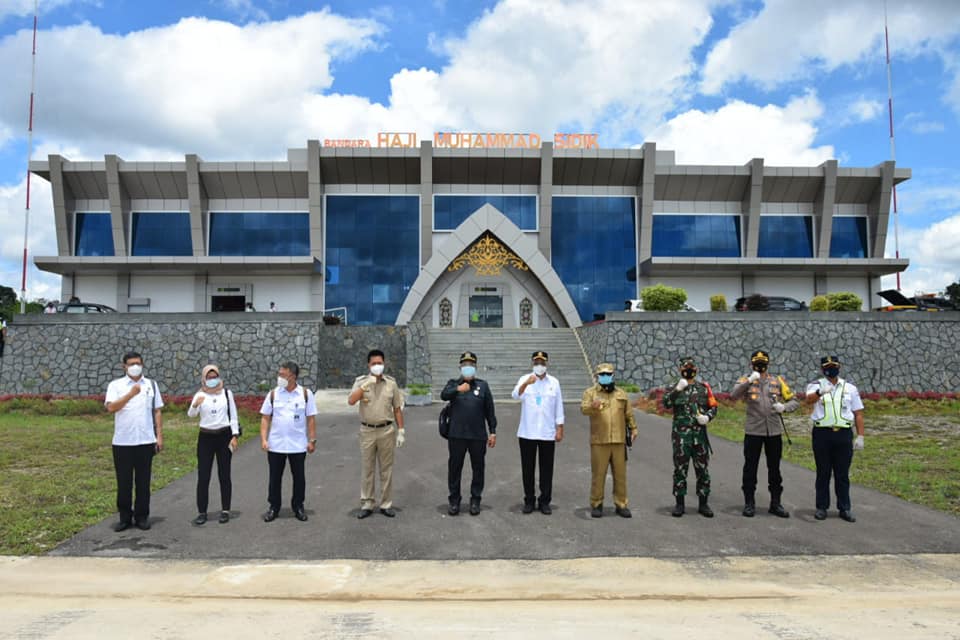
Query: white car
637, 305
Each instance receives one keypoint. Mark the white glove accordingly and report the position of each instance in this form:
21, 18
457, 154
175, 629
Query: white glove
753, 377
703, 419
401, 438
779, 407
368, 383
858, 444
683, 384
826, 387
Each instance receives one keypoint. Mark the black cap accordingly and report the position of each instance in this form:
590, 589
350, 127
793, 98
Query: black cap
826, 361
468, 356
539, 355
760, 356
687, 361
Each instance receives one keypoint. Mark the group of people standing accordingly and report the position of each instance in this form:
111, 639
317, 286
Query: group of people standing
288, 434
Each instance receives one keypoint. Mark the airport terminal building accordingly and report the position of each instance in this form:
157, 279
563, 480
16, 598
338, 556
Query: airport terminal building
463, 230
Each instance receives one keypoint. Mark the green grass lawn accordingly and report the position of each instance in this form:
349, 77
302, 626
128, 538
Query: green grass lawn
56, 467
911, 448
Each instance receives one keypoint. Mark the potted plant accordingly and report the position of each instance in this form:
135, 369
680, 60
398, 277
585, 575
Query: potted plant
418, 395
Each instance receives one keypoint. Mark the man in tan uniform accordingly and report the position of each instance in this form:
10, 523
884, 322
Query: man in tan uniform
381, 431
610, 417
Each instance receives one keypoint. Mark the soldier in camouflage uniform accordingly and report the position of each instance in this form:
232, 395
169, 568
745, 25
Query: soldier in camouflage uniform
693, 405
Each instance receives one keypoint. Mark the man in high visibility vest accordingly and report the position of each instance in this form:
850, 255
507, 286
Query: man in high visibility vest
837, 409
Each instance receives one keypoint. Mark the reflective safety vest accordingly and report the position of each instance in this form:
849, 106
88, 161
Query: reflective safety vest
832, 404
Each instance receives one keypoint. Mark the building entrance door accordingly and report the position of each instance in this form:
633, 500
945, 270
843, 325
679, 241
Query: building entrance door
228, 303
486, 312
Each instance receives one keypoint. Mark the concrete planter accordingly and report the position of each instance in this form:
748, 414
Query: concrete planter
419, 401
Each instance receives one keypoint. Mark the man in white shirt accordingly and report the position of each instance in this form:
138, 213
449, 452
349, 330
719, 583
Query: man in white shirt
288, 431
136, 405
541, 428
836, 408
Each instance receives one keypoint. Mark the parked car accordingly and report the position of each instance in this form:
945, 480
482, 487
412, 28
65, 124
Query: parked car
637, 305
769, 303
900, 302
84, 307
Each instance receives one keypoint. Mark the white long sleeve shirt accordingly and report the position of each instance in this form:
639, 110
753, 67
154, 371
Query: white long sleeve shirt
213, 411
541, 408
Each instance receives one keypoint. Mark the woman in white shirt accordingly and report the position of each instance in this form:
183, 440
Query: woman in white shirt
219, 430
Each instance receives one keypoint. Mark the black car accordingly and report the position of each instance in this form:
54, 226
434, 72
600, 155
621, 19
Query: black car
769, 303
84, 307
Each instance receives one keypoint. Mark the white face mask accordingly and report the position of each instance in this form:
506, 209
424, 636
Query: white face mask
281, 382
539, 369
376, 369
135, 370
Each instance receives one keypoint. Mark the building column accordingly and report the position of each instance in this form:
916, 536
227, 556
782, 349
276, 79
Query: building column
644, 217
426, 201
119, 206
820, 284
123, 291
823, 208
315, 207
751, 208
198, 203
545, 221
878, 213
63, 206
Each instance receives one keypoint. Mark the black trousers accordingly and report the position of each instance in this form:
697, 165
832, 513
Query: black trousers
528, 462
210, 446
773, 446
833, 453
277, 462
458, 448
133, 465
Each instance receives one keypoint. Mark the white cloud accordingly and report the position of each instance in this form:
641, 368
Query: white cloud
43, 240
917, 123
739, 131
245, 9
21, 8
788, 40
864, 110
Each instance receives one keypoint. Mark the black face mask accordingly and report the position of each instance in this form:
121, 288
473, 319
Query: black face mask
688, 374
831, 372
759, 367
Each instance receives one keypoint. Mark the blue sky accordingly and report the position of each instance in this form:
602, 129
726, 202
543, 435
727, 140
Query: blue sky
719, 81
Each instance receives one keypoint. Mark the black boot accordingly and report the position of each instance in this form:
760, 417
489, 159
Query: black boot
679, 509
776, 507
749, 505
704, 508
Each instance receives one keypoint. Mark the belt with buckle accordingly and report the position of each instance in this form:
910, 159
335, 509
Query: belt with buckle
378, 426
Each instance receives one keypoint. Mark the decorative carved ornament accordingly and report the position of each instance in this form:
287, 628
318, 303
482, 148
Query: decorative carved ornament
488, 257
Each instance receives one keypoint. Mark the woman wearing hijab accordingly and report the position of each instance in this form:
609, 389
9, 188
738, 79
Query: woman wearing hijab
219, 430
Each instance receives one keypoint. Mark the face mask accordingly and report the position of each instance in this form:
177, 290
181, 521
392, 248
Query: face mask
760, 367
134, 370
468, 371
539, 369
212, 383
831, 372
689, 374
376, 369
281, 382
605, 379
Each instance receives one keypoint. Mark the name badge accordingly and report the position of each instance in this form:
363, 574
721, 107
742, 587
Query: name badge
539, 400
476, 392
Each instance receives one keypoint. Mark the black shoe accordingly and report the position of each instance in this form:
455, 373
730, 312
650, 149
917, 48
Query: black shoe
123, 525
143, 525
848, 516
597, 511
820, 514
300, 515
749, 510
200, 519
453, 509
364, 513
270, 515
224, 517
623, 512
545, 508
704, 509
778, 510
527, 507
474, 507
679, 509
389, 512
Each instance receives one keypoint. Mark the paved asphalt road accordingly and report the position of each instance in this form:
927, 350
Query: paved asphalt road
422, 530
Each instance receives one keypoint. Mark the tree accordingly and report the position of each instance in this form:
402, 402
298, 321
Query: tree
8, 297
953, 292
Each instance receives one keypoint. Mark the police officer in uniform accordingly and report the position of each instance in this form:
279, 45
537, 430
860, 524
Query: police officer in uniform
693, 405
837, 408
471, 414
768, 397
381, 432
611, 416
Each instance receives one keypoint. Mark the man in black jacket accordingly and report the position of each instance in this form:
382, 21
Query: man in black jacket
471, 412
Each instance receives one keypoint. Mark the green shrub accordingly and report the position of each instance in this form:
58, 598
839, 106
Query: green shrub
629, 387
418, 389
844, 301
820, 303
663, 298
718, 303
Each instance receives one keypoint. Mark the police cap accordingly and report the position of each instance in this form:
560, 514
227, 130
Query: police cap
827, 361
468, 356
687, 361
760, 356
539, 355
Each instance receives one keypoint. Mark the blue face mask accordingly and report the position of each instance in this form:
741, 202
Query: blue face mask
605, 378
212, 383
468, 371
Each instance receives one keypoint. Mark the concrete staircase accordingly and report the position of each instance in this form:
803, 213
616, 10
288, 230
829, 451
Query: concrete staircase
504, 356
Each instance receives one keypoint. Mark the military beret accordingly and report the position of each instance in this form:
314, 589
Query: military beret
826, 361
468, 356
539, 355
605, 367
759, 356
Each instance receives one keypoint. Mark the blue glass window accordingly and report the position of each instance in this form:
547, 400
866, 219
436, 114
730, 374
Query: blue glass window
373, 255
848, 238
259, 234
696, 236
786, 237
449, 212
93, 234
161, 234
594, 251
